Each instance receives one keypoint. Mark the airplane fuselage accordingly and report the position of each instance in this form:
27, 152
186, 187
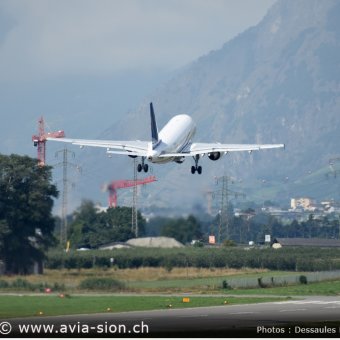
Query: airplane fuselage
173, 138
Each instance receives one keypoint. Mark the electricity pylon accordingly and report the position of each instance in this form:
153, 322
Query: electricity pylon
223, 194
65, 164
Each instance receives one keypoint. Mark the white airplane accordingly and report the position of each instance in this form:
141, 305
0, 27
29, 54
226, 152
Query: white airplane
172, 144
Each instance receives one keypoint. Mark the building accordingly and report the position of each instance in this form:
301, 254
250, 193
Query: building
155, 242
305, 242
114, 245
305, 203
146, 242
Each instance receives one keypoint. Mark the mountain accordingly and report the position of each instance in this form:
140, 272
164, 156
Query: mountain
277, 82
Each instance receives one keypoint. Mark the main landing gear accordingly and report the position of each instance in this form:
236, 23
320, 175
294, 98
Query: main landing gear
196, 167
143, 166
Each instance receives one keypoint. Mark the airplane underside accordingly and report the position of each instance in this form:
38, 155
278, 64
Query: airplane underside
162, 160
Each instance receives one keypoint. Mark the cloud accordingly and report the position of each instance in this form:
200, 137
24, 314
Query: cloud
44, 38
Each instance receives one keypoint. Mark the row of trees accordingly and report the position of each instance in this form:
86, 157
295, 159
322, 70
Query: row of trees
254, 227
182, 229
90, 228
294, 259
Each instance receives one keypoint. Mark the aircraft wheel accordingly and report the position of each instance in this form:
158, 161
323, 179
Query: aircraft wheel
139, 167
193, 169
199, 170
146, 167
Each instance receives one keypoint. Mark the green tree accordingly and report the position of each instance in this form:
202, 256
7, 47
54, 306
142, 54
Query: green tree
26, 222
91, 228
118, 220
84, 224
183, 230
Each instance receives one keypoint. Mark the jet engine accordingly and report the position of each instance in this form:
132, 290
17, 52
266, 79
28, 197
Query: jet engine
214, 156
179, 160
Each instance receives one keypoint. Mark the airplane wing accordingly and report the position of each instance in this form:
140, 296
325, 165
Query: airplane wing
130, 148
206, 148
198, 148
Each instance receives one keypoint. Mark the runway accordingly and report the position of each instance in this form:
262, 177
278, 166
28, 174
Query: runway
310, 316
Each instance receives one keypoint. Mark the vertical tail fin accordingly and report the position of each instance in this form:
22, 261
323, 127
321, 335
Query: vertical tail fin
154, 130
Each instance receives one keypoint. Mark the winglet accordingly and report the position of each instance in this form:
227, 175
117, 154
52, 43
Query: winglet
154, 130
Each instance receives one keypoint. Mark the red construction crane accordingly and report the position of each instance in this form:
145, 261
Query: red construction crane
40, 140
122, 184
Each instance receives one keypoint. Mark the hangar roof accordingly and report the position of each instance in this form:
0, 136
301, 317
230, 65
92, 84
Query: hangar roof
307, 242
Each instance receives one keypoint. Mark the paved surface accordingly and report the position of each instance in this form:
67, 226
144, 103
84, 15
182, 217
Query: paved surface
288, 318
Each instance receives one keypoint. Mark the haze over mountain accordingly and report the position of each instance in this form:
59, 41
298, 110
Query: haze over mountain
277, 82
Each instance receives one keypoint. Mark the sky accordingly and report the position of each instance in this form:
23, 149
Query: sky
42, 39
82, 64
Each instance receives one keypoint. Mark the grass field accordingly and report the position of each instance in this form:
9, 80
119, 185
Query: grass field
144, 279
327, 288
188, 280
210, 283
51, 305
158, 281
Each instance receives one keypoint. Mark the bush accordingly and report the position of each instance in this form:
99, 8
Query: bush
101, 284
4, 284
225, 284
168, 266
260, 283
58, 287
303, 279
229, 243
22, 284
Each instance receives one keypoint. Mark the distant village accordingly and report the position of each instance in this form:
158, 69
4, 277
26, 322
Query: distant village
301, 208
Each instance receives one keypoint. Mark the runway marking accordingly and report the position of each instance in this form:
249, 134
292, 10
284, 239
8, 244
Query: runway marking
289, 302
193, 316
238, 313
333, 307
292, 310
316, 302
